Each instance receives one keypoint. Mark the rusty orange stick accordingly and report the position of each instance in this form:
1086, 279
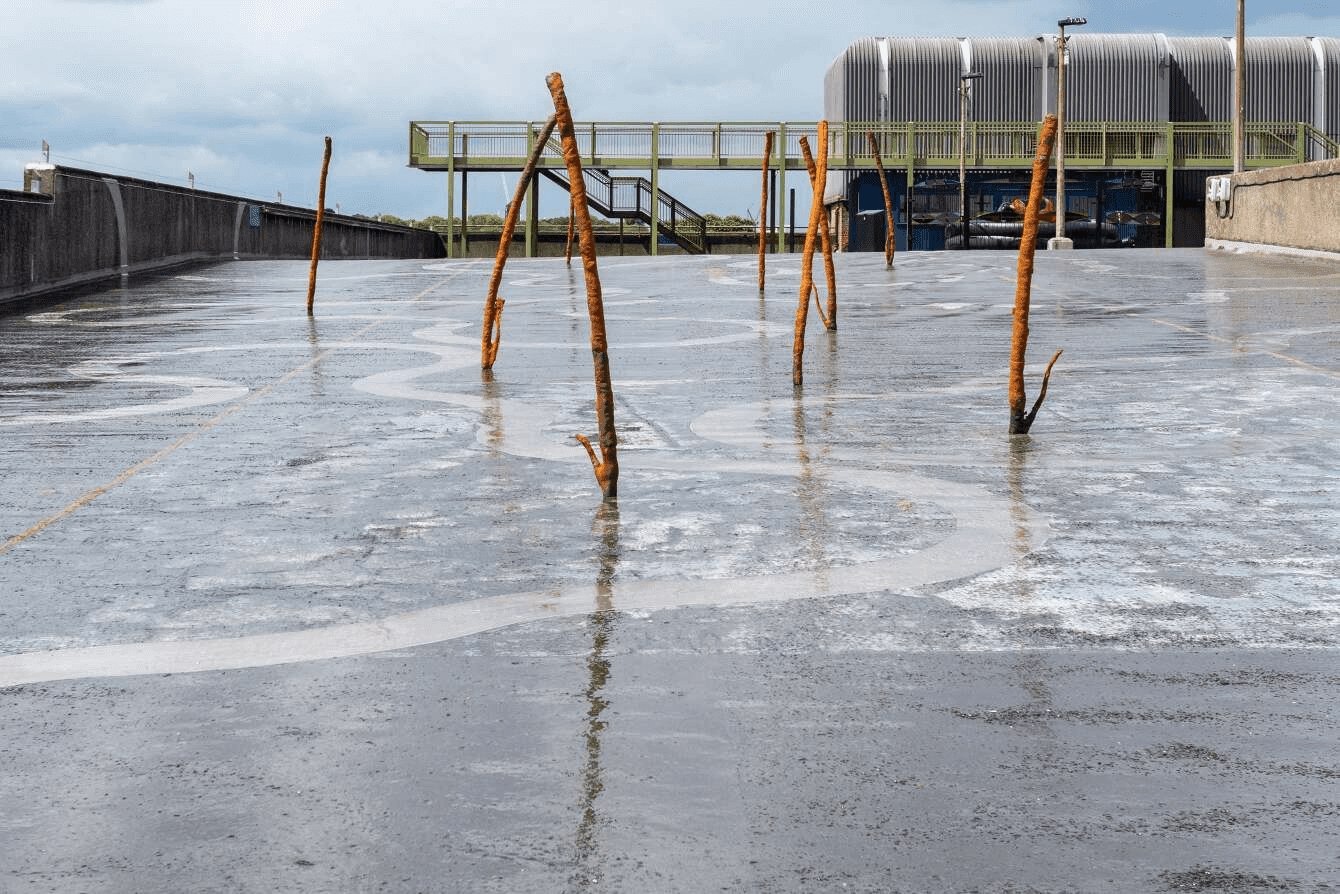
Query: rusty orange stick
890, 241
606, 466
1019, 422
763, 207
316, 231
806, 282
829, 319
493, 305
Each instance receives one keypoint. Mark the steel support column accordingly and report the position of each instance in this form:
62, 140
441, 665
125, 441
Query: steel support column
530, 194
1168, 204
451, 189
655, 209
781, 176
911, 180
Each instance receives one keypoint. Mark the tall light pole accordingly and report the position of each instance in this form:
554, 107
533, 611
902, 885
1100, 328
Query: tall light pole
1060, 240
964, 80
1239, 92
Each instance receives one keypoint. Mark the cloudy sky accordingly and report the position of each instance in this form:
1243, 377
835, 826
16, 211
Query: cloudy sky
241, 92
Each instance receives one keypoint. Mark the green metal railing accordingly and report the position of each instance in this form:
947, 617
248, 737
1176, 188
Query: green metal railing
505, 145
502, 145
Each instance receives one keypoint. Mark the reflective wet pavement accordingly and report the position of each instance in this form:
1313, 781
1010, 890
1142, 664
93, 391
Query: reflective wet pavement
298, 604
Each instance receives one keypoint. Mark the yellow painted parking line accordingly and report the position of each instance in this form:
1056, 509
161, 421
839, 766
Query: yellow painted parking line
204, 428
1228, 341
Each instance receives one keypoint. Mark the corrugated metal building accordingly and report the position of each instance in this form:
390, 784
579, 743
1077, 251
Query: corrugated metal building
1109, 77
1199, 91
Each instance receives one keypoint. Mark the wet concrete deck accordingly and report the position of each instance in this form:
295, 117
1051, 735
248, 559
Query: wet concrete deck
296, 604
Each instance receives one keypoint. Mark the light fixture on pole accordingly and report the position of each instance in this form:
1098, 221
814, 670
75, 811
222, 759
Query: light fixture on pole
964, 81
1060, 240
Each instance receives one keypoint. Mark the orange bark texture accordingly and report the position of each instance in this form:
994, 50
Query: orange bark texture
606, 465
316, 232
890, 242
1024, 285
493, 305
763, 209
806, 268
825, 238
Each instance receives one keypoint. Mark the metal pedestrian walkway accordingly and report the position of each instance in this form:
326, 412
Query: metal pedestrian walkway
466, 146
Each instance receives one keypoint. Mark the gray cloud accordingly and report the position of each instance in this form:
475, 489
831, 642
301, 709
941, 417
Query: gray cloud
242, 93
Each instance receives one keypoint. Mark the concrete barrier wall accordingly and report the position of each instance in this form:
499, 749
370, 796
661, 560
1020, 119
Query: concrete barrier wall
71, 227
1294, 208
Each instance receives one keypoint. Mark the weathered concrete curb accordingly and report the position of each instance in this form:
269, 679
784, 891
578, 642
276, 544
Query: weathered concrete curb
1295, 207
1257, 248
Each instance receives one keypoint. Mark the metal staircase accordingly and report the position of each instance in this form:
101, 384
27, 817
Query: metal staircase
630, 198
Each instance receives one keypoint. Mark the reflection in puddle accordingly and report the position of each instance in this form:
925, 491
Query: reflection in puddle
1020, 446
1032, 670
979, 542
314, 347
494, 436
813, 529
606, 525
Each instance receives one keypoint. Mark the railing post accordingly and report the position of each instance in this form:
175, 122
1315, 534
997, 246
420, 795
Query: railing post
1300, 147
911, 179
781, 179
465, 199
655, 184
451, 189
1170, 154
530, 195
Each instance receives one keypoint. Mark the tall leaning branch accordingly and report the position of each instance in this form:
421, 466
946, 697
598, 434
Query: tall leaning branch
890, 239
763, 208
606, 466
316, 231
1019, 421
493, 305
821, 185
819, 173
807, 270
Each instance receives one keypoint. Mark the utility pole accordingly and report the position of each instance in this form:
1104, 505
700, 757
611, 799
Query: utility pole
964, 80
1239, 91
1060, 240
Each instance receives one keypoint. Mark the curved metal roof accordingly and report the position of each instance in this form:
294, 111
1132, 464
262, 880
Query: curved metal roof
1202, 79
1110, 77
1116, 77
1009, 89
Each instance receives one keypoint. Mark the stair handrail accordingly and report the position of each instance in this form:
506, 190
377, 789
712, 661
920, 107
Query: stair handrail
678, 221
